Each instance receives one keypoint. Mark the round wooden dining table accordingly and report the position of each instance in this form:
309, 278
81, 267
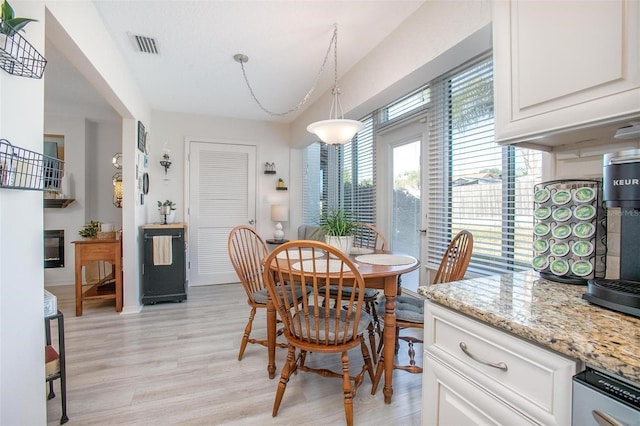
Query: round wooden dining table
381, 269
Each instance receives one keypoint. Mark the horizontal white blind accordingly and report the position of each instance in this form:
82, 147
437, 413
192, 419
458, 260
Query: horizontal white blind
406, 107
341, 176
358, 175
473, 183
312, 183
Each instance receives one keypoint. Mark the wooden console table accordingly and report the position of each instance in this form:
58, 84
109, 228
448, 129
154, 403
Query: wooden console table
90, 251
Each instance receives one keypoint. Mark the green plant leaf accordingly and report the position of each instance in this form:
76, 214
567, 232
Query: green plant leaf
17, 24
337, 223
7, 11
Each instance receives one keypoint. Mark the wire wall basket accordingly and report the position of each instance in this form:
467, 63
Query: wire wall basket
18, 56
24, 169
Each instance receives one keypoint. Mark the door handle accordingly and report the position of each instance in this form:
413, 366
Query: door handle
424, 231
251, 221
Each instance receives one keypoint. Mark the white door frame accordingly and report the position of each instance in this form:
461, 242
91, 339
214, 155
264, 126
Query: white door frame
186, 189
386, 141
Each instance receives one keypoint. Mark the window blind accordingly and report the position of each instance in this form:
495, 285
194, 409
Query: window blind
473, 183
358, 175
341, 176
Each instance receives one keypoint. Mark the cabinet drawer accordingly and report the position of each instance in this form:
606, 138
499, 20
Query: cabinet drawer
531, 378
451, 399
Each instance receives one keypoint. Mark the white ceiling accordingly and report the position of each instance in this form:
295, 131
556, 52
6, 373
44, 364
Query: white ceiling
195, 73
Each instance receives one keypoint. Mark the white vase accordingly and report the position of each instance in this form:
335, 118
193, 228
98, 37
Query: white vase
343, 244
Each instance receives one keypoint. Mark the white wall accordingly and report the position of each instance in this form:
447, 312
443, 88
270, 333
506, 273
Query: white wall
22, 398
173, 129
77, 31
22, 388
89, 147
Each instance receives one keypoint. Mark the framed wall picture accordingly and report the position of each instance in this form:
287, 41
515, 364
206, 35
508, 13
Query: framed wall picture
141, 136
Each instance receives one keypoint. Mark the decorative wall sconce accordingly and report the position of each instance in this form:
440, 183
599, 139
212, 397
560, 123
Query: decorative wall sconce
165, 162
117, 189
116, 180
269, 168
281, 185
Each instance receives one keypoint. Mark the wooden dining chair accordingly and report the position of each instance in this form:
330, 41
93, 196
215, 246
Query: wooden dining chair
247, 252
368, 237
410, 310
314, 327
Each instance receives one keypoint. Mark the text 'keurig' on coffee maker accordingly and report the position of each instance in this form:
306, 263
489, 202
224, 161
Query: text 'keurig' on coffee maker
621, 190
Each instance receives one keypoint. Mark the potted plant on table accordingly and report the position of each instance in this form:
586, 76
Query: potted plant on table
338, 229
167, 210
90, 230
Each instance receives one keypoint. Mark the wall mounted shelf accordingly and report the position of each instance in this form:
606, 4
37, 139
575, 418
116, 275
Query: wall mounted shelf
57, 203
19, 57
24, 169
281, 188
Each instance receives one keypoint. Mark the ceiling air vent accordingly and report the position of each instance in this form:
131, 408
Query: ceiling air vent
144, 44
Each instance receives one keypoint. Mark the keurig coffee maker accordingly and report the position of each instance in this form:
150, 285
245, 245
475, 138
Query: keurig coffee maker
621, 189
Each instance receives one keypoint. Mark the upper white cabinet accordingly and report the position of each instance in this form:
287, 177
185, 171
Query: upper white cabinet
565, 71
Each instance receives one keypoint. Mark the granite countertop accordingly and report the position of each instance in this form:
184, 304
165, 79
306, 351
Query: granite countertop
551, 314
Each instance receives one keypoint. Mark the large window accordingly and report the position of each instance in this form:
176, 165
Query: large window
341, 176
471, 182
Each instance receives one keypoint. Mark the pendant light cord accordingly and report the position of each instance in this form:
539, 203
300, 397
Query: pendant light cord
332, 44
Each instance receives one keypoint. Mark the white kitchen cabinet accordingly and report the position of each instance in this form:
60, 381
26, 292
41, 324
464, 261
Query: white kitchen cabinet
477, 374
565, 71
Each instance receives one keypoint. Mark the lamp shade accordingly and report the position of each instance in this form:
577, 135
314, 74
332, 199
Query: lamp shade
336, 131
279, 213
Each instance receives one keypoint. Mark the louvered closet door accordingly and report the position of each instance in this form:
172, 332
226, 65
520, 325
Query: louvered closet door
222, 184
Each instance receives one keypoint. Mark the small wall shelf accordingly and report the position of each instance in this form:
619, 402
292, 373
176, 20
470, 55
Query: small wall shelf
57, 203
281, 188
24, 169
269, 172
19, 57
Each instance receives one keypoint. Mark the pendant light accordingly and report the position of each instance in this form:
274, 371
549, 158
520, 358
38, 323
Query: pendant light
335, 130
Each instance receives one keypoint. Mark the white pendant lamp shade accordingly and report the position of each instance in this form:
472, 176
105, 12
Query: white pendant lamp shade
336, 131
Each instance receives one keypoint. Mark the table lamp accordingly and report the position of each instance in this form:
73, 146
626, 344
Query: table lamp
279, 213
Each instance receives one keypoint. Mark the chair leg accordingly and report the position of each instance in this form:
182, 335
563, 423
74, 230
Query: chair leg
367, 359
379, 371
376, 321
284, 379
347, 389
370, 309
247, 332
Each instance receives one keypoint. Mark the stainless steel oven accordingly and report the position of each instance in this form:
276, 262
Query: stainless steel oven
602, 400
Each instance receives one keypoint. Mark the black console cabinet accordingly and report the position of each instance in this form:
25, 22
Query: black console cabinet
164, 283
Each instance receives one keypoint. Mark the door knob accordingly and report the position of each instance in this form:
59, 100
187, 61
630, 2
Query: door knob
251, 221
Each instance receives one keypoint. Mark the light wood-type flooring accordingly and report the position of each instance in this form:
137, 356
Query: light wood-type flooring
176, 363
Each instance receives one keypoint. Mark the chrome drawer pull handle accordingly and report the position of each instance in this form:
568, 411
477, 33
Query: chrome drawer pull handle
603, 419
499, 365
